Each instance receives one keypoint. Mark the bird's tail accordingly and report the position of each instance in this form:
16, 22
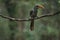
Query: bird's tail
32, 25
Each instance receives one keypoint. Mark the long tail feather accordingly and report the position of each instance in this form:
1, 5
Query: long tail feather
32, 25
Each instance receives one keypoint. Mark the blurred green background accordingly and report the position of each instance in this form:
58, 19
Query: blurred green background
47, 28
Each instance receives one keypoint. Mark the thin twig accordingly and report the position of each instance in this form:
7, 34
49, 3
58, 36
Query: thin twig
14, 19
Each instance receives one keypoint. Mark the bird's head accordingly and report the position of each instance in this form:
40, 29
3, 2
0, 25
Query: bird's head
39, 6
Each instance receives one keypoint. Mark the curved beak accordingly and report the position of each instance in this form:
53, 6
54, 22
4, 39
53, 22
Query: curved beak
41, 6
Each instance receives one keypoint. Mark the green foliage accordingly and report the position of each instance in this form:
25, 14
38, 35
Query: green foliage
44, 27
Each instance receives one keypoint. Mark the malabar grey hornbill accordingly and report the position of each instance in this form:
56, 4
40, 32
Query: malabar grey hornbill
33, 14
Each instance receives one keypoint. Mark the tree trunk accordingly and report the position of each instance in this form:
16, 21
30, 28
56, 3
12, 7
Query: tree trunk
4, 26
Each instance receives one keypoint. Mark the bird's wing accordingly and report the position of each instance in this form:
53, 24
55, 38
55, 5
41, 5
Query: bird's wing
31, 12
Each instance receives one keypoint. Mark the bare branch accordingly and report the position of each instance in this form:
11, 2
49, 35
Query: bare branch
14, 19
47, 15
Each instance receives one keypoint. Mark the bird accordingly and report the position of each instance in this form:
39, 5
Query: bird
33, 14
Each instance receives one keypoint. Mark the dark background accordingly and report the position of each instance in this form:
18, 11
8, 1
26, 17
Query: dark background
47, 28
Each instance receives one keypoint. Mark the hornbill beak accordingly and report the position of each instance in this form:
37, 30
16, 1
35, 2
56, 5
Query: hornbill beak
41, 6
